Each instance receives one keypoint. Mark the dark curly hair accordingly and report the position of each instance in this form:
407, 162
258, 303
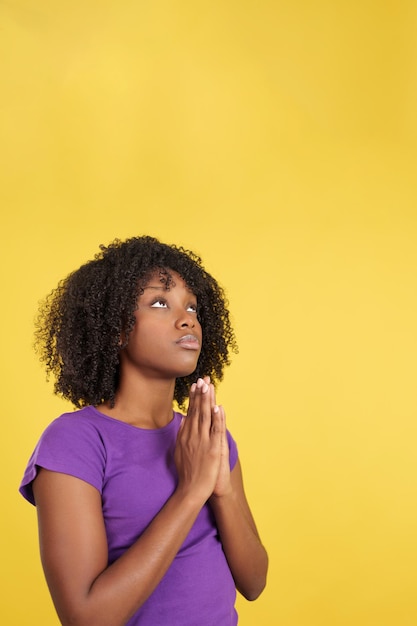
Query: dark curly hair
80, 323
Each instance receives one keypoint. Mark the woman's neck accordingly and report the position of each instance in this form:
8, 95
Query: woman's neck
145, 404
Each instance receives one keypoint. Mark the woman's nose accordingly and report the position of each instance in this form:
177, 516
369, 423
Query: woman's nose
185, 320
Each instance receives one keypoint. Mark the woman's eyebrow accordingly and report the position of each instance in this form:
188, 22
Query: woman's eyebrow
158, 287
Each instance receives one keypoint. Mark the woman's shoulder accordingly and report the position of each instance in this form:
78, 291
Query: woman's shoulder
78, 423
72, 444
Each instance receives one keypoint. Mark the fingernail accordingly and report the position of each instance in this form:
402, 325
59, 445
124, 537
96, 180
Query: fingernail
193, 387
205, 388
200, 383
215, 409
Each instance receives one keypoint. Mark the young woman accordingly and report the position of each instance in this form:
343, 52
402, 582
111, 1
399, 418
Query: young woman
142, 514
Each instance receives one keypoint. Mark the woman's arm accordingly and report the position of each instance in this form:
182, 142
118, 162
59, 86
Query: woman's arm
85, 590
74, 552
245, 554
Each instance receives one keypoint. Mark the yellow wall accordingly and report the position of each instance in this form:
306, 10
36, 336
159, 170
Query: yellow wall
279, 140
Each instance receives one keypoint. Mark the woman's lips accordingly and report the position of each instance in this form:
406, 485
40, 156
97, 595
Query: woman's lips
189, 342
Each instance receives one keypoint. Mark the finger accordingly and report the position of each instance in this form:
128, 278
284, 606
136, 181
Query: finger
214, 406
205, 405
225, 443
191, 400
202, 385
197, 409
212, 391
212, 397
223, 420
216, 429
193, 409
192, 393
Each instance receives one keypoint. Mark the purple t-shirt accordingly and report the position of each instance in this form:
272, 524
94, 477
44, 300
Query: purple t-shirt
134, 471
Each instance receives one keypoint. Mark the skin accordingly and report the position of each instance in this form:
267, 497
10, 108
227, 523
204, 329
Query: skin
73, 545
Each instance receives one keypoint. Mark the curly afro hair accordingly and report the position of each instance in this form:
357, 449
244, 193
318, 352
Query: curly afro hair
80, 323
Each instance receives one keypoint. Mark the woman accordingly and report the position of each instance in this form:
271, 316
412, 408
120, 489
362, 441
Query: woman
142, 514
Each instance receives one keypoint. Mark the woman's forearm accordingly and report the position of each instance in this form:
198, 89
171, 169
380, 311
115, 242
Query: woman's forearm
245, 554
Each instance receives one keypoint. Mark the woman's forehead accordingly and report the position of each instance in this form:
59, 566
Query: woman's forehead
166, 279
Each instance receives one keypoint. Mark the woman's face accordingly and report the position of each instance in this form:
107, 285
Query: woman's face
166, 339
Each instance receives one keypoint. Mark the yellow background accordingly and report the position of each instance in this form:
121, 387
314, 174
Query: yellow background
279, 141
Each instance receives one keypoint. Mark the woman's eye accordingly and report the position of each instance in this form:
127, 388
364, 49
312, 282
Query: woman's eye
192, 308
159, 304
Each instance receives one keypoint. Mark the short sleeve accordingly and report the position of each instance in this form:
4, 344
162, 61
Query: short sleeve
70, 445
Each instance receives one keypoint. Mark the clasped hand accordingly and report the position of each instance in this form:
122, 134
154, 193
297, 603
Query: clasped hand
202, 450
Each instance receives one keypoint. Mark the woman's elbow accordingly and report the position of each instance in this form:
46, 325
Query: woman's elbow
252, 587
253, 591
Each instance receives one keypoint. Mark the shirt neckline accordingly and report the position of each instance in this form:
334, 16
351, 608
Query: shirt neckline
171, 424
